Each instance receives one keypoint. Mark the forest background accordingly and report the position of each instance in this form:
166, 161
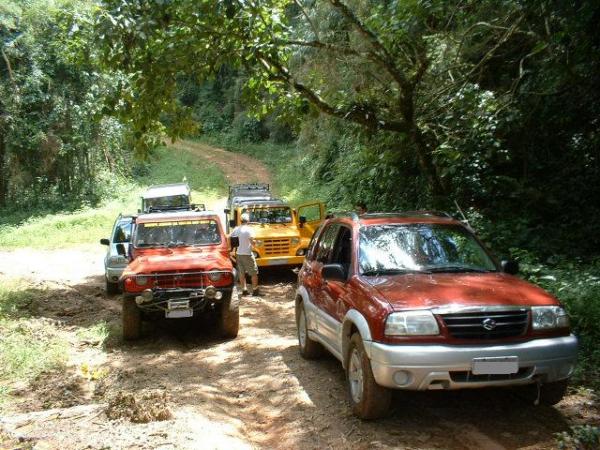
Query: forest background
491, 106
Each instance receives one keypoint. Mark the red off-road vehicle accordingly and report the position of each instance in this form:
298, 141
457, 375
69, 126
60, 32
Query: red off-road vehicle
179, 267
414, 301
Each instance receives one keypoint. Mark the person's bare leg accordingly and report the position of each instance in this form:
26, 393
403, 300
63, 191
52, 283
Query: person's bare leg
243, 281
254, 282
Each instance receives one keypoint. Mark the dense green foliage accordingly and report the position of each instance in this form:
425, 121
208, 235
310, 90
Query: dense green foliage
56, 148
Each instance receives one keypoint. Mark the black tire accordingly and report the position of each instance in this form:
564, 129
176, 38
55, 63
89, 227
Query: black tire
309, 349
549, 393
132, 319
112, 288
229, 317
368, 399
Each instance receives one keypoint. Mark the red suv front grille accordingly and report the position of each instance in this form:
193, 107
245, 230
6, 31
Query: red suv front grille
166, 280
487, 325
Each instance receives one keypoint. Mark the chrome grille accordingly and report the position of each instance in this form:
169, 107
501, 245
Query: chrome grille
487, 325
275, 247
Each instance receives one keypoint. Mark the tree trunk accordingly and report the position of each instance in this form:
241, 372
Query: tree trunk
3, 172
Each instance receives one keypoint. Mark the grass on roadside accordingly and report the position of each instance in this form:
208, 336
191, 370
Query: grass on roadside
28, 346
89, 225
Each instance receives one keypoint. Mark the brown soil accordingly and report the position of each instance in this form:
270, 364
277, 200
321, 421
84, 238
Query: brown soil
179, 387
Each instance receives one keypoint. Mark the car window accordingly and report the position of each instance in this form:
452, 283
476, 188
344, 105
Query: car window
421, 247
122, 232
342, 250
326, 243
310, 254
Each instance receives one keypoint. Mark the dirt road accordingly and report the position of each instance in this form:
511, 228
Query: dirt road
251, 392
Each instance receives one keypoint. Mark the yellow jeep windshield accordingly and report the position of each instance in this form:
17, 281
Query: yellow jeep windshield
279, 214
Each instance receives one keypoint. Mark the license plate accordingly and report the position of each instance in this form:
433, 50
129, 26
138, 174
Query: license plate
502, 365
178, 309
277, 261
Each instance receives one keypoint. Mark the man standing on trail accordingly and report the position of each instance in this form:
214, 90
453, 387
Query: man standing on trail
246, 264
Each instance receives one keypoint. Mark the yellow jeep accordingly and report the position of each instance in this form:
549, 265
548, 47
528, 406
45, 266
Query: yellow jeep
281, 233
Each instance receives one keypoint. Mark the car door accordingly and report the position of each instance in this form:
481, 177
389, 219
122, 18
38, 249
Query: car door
314, 213
326, 241
335, 293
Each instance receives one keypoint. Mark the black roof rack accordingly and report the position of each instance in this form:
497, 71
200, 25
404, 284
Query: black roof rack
422, 212
248, 187
164, 208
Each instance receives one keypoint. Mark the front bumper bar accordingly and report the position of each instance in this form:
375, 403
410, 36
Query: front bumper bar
422, 367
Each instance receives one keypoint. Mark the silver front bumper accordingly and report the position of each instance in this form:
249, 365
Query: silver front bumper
114, 273
422, 367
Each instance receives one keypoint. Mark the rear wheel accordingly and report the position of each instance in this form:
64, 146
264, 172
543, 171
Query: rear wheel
368, 399
229, 317
132, 319
112, 288
309, 349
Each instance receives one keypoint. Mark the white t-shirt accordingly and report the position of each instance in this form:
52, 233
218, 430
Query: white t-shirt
245, 234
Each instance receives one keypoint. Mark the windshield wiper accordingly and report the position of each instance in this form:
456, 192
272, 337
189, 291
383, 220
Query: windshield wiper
377, 272
458, 269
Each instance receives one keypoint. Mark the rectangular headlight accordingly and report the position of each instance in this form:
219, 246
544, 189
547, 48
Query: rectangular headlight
548, 317
117, 261
411, 323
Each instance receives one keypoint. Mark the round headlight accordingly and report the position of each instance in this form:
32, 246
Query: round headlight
141, 281
295, 241
259, 242
215, 276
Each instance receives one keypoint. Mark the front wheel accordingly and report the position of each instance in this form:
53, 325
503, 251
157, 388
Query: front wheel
132, 319
368, 399
112, 288
548, 394
229, 316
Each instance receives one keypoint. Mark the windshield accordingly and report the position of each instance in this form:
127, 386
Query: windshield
177, 233
281, 214
420, 248
172, 201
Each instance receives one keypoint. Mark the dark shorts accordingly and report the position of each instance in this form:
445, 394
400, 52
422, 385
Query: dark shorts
246, 264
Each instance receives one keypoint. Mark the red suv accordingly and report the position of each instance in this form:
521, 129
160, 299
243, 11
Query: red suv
415, 301
179, 267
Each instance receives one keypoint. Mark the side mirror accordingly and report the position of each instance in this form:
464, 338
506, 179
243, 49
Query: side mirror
510, 266
301, 221
104, 241
334, 272
121, 250
226, 210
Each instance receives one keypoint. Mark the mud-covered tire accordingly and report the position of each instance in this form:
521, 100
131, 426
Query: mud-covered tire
309, 349
367, 399
228, 324
112, 288
132, 319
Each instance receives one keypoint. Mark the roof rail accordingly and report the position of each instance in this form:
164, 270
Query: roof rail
249, 187
351, 214
422, 212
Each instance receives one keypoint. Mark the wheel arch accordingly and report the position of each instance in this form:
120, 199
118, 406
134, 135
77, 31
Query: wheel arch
354, 322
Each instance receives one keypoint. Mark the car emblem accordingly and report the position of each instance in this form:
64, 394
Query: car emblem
489, 324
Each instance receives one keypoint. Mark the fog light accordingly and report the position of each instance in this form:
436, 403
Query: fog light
147, 295
300, 252
402, 377
210, 292
219, 295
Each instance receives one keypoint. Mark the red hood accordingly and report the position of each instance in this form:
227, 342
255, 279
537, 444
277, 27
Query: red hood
179, 259
471, 289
